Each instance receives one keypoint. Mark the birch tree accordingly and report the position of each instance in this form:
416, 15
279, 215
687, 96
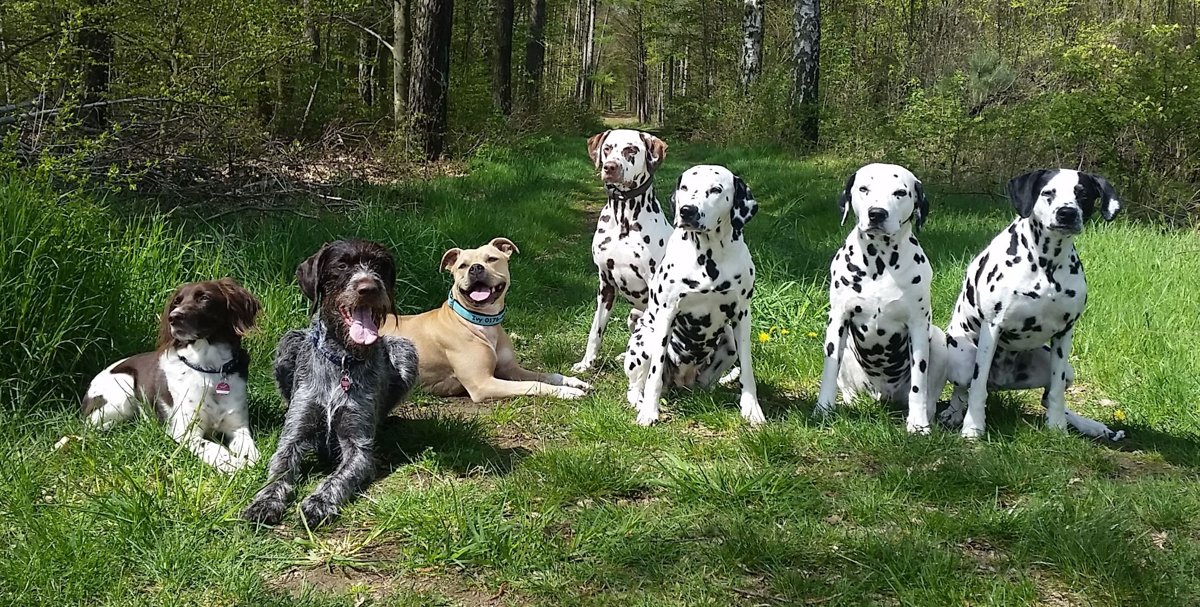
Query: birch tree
806, 68
752, 41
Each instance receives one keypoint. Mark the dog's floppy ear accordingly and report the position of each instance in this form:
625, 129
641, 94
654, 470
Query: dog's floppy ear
594, 144
1023, 190
243, 306
308, 273
1109, 204
845, 196
744, 206
164, 327
505, 245
922, 206
449, 257
656, 151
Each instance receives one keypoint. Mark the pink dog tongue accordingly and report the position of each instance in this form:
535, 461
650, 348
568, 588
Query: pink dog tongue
480, 294
362, 327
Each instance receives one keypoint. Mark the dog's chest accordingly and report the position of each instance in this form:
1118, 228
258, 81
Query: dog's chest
628, 244
880, 283
195, 393
707, 288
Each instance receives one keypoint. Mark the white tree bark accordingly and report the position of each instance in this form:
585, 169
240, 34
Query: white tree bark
806, 70
752, 40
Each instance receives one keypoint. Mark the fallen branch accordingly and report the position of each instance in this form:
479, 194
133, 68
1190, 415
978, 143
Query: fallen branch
86, 106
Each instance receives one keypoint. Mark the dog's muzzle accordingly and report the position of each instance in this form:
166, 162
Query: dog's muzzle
688, 217
1068, 219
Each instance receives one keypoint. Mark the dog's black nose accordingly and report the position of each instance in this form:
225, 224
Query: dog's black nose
1067, 215
367, 287
475, 270
877, 215
175, 315
689, 212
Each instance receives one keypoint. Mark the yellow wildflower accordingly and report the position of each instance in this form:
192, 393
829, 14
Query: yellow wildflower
1119, 414
784, 331
764, 336
811, 333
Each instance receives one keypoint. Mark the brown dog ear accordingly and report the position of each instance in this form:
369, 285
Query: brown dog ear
243, 306
164, 328
449, 257
656, 151
505, 245
594, 144
308, 272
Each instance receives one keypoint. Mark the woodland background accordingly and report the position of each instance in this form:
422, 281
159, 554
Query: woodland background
246, 101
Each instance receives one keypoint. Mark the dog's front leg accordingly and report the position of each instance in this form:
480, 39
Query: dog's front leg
352, 476
605, 296
835, 347
751, 410
921, 400
241, 445
185, 429
1056, 391
283, 471
985, 350
654, 341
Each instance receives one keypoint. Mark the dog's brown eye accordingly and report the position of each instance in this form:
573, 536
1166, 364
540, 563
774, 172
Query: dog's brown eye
863, 189
714, 190
900, 193
683, 188
493, 259
462, 265
205, 297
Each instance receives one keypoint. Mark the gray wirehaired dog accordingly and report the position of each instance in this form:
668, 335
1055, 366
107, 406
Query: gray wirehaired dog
339, 379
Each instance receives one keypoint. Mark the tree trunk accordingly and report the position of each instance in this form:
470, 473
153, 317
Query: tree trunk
584, 83
401, 38
96, 44
535, 54
366, 58
502, 60
428, 93
642, 98
311, 34
806, 69
752, 41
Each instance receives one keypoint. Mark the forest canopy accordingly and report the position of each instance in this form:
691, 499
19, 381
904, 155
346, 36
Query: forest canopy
964, 91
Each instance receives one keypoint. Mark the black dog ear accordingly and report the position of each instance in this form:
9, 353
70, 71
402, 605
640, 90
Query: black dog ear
922, 207
309, 272
744, 206
844, 197
678, 182
1023, 191
1109, 204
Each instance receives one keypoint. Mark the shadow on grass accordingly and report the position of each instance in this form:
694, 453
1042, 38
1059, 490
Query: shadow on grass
457, 443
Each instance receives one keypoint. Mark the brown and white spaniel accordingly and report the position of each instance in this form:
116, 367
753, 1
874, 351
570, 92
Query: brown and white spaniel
195, 379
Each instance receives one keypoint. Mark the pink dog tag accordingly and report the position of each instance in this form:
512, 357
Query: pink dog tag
345, 383
222, 388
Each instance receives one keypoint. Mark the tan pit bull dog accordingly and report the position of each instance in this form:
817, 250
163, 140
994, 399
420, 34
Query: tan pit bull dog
461, 346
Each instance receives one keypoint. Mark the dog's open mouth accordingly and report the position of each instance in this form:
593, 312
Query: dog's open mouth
361, 320
481, 294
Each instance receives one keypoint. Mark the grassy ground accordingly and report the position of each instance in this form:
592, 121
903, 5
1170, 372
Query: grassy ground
536, 502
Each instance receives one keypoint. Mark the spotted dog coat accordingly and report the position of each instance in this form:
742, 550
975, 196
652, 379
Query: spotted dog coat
632, 231
879, 300
338, 379
698, 319
1026, 288
195, 380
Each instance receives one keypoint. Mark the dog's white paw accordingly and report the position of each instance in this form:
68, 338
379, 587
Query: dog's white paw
731, 377
751, 411
1059, 424
575, 382
972, 433
647, 418
569, 393
582, 366
917, 428
1116, 436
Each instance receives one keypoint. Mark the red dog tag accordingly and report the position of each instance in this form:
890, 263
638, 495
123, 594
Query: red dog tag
222, 388
345, 383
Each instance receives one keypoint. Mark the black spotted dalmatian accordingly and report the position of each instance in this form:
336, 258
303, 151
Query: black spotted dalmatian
632, 231
879, 302
1025, 289
698, 320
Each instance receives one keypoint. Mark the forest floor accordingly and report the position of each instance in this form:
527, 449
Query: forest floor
540, 502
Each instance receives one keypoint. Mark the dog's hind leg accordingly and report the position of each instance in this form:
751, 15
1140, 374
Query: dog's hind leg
605, 296
750, 408
835, 348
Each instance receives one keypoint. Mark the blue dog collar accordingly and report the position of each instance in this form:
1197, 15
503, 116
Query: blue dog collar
483, 320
